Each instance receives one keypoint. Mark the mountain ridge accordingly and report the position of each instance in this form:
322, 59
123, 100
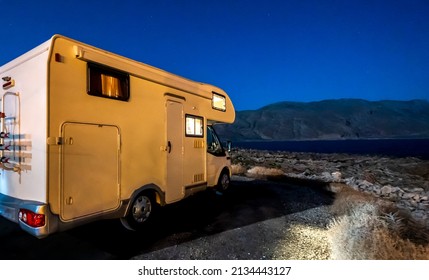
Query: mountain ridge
333, 119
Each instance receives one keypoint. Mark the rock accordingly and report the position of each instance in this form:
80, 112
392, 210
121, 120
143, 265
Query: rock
327, 177
336, 176
424, 207
351, 181
377, 191
419, 214
398, 190
414, 204
386, 190
407, 195
366, 183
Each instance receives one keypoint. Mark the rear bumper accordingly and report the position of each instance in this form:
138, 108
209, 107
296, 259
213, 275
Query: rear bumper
9, 209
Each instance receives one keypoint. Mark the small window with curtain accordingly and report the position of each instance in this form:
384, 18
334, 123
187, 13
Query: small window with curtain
108, 82
194, 126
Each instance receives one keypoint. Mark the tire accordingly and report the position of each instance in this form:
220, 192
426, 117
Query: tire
141, 212
223, 182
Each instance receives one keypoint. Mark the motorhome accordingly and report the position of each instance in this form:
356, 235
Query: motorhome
87, 134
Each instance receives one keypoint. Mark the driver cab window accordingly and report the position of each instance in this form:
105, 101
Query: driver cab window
213, 144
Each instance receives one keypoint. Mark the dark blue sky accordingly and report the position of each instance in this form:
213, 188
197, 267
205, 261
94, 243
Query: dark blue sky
260, 52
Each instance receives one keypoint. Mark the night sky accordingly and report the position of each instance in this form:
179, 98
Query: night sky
259, 52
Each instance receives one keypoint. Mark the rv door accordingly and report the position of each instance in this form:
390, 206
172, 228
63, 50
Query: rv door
175, 189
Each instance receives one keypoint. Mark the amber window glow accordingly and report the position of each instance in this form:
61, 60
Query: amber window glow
107, 82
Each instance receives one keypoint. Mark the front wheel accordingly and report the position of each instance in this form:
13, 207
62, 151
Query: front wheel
224, 181
141, 212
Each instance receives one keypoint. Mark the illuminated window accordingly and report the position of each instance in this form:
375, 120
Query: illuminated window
108, 82
218, 102
194, 126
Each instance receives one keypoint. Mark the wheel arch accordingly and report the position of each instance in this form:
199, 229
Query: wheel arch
226, 169
151, 188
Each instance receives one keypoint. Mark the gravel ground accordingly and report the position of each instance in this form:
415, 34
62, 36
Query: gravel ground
304, 235
298, 236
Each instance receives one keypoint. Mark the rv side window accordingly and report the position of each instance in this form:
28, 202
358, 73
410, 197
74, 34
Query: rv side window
108, 82
218, 102
194, 126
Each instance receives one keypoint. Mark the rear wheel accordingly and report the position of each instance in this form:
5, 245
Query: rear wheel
141, 212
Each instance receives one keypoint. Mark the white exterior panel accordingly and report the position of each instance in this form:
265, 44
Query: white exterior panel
25, 109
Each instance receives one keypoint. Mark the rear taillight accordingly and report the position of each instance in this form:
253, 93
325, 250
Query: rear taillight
32, 219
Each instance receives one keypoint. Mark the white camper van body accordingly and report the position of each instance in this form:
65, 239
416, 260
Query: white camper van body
84, 132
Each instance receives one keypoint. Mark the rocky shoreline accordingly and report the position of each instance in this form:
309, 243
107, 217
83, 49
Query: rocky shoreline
403, 181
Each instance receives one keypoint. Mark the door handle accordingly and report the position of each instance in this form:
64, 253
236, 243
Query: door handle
169, 147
